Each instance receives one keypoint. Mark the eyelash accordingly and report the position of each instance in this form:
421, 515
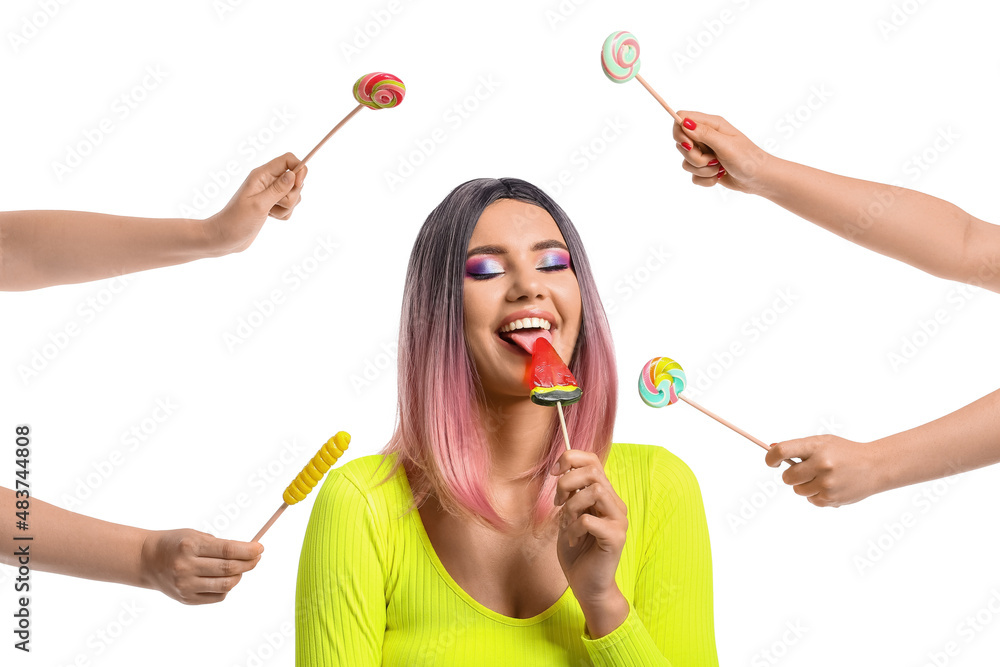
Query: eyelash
548, 269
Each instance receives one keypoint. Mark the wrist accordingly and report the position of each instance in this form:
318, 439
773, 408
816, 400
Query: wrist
208, 238
766, 176
147, 555
604, 616
884, 465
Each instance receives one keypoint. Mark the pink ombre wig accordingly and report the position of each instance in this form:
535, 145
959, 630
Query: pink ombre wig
440, 434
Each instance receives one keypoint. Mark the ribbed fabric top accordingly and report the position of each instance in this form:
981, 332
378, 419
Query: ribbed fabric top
372, 591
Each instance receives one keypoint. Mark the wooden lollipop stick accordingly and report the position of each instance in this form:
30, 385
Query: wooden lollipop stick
270, 522
330, 134
680, 121
722, 421
562, 420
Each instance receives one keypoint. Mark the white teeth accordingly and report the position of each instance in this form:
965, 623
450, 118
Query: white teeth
527, 323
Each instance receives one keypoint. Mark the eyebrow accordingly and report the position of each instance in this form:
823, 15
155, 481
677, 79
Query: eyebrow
500, 250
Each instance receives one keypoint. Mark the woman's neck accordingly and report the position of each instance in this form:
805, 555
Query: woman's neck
519, 435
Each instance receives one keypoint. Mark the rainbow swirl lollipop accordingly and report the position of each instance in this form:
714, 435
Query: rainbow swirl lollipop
379, 90
661, 381
620, 56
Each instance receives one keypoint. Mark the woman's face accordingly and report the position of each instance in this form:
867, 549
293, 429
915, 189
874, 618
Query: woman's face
517, 267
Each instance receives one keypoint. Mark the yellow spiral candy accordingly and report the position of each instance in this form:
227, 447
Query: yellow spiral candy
325, 458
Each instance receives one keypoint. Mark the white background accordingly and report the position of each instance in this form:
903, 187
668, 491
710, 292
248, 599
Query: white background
879, 100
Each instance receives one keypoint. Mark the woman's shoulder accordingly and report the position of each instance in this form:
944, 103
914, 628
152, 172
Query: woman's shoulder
362, 478
655, 470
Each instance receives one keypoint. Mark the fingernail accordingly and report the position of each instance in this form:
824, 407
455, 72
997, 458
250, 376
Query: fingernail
555, 468
712, 163
686, 145
287, 177
690, 124
722, 172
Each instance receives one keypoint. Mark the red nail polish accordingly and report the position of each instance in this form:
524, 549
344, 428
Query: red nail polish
712, 163
690, 124
722, 172
686, 145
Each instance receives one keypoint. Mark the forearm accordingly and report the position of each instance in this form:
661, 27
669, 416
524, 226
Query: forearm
44, 248
926, 232
73, 544
966, 439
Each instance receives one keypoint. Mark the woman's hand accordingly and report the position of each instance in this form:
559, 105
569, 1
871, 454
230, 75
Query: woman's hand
193, 567
833, 471
716, 152
269, 190
592, 527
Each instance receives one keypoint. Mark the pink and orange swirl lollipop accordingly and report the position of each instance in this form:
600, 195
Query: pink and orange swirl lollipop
377, 90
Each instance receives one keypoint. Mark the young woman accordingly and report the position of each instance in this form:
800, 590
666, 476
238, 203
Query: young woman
923, 231
487, 542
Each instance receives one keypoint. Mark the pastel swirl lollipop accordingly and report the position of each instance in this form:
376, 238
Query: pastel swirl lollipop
620, 62
661, 381
620, 56
379, 90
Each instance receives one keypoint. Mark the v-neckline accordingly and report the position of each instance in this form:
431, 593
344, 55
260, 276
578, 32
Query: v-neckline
461, 592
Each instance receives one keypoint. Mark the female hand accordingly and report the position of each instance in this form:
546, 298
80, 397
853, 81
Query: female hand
269, 190
833, 471
193, 567
716, 152
592, 527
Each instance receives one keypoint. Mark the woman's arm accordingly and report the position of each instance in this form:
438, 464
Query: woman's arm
835, 471
340, 611
45, 248
189, 566
923, 231
671, 620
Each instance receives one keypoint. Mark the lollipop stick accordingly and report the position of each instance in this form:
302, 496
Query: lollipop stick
659, 99
330, 134
722, 421
270, 522
562, 420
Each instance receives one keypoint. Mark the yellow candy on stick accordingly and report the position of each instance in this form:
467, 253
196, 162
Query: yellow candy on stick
310, 476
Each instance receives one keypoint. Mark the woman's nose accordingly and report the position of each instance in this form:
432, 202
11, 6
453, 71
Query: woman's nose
526, 284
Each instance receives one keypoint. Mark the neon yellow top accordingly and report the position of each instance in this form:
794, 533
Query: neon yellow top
372, 591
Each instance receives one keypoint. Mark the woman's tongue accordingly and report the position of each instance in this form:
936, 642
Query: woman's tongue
525, 338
